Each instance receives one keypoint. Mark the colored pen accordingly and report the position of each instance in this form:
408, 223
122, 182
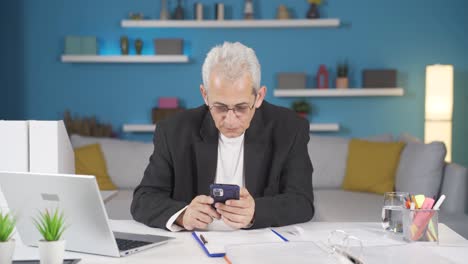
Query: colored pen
439, 202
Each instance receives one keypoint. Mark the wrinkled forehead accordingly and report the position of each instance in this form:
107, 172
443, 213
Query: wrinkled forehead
230, 92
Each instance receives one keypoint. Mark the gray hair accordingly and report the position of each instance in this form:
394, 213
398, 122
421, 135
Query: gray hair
232, 60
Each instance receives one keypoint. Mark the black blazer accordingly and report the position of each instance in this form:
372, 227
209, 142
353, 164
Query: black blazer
277, 168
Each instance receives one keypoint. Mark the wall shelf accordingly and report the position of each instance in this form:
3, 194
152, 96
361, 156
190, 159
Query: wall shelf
260, 23
331, 92
125, 58
148, 128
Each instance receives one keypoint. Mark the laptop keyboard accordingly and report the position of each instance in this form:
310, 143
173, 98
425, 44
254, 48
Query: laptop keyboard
125, 244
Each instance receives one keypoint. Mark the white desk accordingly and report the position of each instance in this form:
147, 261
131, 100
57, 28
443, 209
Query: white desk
184, 249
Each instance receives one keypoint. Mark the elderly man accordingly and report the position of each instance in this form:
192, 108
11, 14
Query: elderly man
235, 138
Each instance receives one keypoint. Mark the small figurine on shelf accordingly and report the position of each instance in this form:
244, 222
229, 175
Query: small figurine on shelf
124, 45
164, 14
342, 81
138, 46
179, 11
301, 107
322, 77
248, 10
313, 11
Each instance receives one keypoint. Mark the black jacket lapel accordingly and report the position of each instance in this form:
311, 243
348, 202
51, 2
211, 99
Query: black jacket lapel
256, 147
206, 154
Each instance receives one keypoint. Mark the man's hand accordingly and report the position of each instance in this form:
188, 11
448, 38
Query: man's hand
238, 213
198, 214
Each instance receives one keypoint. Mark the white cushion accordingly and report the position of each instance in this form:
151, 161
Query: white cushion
126, 160
118, 206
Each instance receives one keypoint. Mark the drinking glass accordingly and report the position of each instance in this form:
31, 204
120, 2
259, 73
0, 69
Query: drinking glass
392, 211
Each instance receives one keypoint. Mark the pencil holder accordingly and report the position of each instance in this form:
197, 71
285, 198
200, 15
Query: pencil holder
421, 225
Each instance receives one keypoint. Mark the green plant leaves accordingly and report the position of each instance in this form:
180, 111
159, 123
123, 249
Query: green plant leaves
7, 225
51, 225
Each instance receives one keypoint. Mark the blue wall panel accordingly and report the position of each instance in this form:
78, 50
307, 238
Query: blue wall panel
406, 35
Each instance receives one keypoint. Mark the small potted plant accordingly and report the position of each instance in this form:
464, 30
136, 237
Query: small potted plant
313, 11
51, 225
342, 81
302, 107
7, 244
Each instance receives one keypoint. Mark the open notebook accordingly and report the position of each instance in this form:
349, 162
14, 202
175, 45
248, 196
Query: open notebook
215, 242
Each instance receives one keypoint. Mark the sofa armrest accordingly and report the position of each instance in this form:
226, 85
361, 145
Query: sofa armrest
455, 187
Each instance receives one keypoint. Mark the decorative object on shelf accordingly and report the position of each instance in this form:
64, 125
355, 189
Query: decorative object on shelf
136, 16
179, 11
198, 11
124, 45
86, 126
313, 11
219, 14
169, 46
81, 45
282, 12
138, 46
322, 77
342, 81
301, 107
248, 9
379, 78
167, 106
164, 14
51, 225
291, 80
7, 243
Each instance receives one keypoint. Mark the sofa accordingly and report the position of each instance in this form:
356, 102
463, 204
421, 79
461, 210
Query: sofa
421, 169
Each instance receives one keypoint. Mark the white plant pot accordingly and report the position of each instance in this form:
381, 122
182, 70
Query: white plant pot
6, 251
51, 252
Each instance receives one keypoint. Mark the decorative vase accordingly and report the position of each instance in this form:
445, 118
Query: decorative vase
124, 45
322, 77
248, 10
302, 114
179, 11
164, 14
51, 252
313, 11
138, 46
6, 251
342, 83
283, 12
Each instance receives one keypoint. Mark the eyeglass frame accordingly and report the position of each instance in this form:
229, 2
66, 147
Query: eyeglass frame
224, 114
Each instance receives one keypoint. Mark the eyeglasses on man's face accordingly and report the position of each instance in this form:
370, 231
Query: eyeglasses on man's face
239, 110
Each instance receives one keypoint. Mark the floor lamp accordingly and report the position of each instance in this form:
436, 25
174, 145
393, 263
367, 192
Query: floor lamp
439, 106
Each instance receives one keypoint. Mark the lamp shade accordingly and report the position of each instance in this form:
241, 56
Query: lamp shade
439, 92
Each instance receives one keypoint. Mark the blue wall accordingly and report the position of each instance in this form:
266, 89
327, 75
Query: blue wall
407, 35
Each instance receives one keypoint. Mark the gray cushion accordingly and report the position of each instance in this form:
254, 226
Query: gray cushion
328, 156
118, 206
421, 168
344, 206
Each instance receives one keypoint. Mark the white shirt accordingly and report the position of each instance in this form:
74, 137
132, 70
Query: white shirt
229, 170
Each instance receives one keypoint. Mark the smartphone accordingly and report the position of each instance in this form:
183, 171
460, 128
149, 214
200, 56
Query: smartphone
223, 192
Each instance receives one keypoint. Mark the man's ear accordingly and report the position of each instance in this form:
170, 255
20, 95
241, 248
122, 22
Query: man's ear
260, 96
204, 94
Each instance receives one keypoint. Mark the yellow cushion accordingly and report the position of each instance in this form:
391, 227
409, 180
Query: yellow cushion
371, 166
89, 160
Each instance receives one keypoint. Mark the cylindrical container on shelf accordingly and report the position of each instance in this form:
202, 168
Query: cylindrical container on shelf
219, 8
198, 11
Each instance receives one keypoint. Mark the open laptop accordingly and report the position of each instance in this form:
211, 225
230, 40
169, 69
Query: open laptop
78, 196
